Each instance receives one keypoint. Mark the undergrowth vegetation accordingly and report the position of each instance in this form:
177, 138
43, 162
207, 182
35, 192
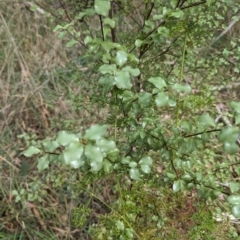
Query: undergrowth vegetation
119, 119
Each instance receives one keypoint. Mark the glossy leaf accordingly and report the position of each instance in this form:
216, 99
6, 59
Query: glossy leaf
94, 154
121, 58
230, 147
123, 80
73, 153
234, 186
110, 22
138, 43
64, 138
158, 82
102, 7
182, 87
234, 199
236, 211
50, 146
43, 163
133, 71
161, 99
106, 145
95, 132
179, 185
31, 151
107, 166
134, 174
120, 225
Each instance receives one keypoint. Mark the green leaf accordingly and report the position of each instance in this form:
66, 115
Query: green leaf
110, 22
158, 82
64, 138
236, 211
182, 88
132, 164
186, 126
230, 147
94, 154
138, 43
179, 185
87, 40
107, 166
206, 120
123, 80
106, 145
234, 186
161, 99
234, 199
31, 151
237, 119
146, 169
43, 163
61, 35
146, 161
177, 14
71, 43
134, 174
108, 68
121, 58
133, 71
120, 225
50, 146
102, 7
145, 99
25, 168
235, 106
229, 134
72, 154
57, 28
95, 132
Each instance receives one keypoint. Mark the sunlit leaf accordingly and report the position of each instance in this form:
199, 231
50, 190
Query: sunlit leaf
179, 185
158, 82
110, 22
31, 151
72, 154
106, 145
182, 87
102, 7
43, 163
96, 132
107, 166
64, 138
230, 147
138, 43
94, 154
134, 174
234, 199
120, 225
236, 211
161, 99
121, 58
123, 80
